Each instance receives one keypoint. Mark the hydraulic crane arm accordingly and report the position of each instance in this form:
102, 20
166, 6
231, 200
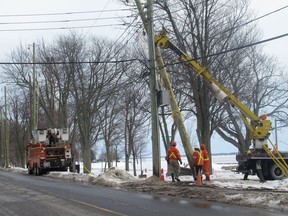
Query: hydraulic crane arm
259, 129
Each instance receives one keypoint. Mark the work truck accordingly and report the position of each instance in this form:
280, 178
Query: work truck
267, 163
48, 150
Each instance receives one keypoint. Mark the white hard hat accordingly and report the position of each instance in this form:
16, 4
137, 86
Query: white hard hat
196, 146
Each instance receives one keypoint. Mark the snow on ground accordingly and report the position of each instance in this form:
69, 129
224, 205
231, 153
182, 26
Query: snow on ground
222, 177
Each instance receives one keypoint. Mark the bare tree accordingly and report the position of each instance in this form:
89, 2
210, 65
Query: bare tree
111, 126
93, 85
136, 116
203, 29
266, 90
19, 126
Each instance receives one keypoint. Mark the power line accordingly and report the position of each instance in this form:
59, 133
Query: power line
62, 21
64, 13
75, 62
257, 18
60, 28
234, 49
97, 17
245, 46
240, 25
131, 60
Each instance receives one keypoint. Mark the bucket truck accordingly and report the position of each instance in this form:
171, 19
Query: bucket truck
273, 164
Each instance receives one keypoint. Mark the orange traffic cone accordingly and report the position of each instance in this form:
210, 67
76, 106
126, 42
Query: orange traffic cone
199, 179
162, 175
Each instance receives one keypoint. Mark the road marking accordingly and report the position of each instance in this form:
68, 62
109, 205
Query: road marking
100, 208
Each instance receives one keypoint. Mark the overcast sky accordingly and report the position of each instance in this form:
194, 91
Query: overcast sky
272, 25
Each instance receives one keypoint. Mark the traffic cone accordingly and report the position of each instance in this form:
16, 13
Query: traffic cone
162, 175
199, 179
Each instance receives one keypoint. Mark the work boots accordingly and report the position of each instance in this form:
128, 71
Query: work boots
246, 176
172, 175
260, 175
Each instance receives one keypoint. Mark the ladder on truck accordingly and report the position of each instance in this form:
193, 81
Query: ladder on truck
277, 158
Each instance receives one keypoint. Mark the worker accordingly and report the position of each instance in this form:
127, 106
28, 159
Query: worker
259, 171
264, 116
197, 160
247, 165
173, 158
52, 137
206, 161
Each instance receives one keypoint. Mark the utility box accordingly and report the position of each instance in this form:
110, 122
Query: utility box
163, 98
64, 134
41, 135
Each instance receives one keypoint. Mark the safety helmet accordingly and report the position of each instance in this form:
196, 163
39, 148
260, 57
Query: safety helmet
264, 116
202, 146
196, 146
173, 143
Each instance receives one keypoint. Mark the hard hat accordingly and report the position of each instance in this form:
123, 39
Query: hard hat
202, 146
264, 116
196, 146
173, 143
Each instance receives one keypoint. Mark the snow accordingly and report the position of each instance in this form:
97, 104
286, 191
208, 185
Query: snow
222, 177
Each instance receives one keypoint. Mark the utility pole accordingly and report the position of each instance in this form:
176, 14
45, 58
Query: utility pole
167, 84
35, 100
2, 138
153, 91
6, 133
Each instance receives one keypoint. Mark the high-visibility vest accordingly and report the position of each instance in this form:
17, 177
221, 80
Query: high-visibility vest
173, 154
197, 158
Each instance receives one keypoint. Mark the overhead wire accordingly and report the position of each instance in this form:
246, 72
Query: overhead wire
70, 62
257, 18
98, 17
244, 46
215, 54
61, 21
219, 53
64, 13
234, 49
62, 28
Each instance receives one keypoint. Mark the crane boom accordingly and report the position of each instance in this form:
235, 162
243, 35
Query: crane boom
259, 128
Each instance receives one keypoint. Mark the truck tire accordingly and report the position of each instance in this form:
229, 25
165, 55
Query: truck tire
30, 171
275, 172
36, 169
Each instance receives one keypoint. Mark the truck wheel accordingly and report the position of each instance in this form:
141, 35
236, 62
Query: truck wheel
276, 173
30, 171
35, 170
39, 171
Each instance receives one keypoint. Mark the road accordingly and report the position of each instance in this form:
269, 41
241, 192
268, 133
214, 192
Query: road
25, 195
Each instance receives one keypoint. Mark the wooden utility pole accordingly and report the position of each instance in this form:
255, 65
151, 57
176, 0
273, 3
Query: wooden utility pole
35, 99
6, 133
167, 85
153, 92
2, 137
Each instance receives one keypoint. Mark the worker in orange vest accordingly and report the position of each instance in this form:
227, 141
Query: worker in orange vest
206, 161
172, 158
197, 160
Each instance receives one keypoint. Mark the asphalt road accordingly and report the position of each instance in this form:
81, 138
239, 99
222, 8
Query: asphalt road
25, 195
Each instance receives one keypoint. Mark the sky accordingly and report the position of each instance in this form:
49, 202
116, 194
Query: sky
63, 10
272, 26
